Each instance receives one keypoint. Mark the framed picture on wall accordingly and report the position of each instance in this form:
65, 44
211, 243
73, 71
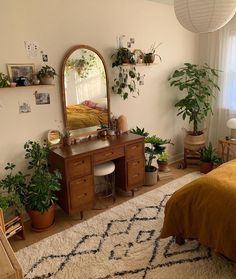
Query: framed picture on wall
21, 70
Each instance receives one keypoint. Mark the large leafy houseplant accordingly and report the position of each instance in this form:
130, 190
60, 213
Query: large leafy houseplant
42, 187
199, 85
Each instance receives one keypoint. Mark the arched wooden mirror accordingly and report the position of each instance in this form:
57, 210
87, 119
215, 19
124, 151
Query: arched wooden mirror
85, 93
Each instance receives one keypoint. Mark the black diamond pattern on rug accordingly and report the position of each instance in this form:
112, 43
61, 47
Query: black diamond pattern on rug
117, 237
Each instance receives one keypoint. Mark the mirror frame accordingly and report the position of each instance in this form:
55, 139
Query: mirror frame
67, 55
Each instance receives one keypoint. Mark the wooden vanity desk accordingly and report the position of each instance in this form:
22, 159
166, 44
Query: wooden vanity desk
76, 164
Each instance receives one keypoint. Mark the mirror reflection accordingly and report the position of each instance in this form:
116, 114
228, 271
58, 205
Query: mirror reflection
85, 88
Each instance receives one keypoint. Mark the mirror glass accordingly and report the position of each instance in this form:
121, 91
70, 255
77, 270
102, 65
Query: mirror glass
85, 90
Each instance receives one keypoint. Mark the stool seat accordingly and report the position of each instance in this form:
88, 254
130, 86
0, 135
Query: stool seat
104, 169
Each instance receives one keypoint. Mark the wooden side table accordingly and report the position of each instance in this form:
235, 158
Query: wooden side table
227, 149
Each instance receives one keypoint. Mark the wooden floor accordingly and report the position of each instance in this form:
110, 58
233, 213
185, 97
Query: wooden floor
64, 221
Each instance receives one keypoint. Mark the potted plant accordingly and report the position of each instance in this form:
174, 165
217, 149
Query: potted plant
12, 189
122, 55
208, 158
4, 80
47, 74
149, 57
42, 187
153, 146
162, 161
198, 85
67, 138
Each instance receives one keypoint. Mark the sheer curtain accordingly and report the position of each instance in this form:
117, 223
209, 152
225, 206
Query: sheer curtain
221, 54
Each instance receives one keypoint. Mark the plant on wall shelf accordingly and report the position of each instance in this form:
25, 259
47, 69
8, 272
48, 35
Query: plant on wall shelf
4, 80
121, 56
127, 82
149, 57
46, 74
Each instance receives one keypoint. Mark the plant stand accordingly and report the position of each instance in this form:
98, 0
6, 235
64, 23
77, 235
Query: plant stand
192, 155
13, 226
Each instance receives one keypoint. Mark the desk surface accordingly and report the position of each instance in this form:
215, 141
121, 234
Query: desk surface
95, 145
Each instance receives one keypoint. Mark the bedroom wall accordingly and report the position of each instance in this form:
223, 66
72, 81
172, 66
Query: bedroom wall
59, 25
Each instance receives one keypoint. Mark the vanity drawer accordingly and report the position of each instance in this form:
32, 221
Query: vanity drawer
135, 172
109, 154
79, 167
135, 150
82, 192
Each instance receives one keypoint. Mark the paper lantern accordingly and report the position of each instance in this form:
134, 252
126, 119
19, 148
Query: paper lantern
231, 123
202, 16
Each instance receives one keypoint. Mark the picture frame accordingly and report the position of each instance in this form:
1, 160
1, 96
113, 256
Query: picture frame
21, 70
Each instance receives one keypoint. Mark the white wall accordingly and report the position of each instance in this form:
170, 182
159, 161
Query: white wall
58, 25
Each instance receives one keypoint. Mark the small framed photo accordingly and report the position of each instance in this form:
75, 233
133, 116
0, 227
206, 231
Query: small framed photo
21, 70
42, 98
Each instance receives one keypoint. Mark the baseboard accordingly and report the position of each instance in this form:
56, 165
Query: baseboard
176, 157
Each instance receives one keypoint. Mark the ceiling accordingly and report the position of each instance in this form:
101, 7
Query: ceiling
168, 2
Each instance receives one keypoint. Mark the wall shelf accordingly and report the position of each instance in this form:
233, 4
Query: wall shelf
138, 65
29, 86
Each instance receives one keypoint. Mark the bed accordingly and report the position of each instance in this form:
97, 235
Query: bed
82, 116
205, 210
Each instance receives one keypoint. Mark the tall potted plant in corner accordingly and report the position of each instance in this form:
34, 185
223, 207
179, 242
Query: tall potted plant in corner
199, 85
42, 187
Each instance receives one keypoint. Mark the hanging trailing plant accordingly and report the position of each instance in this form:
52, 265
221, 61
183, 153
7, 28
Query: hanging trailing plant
127, 83
81, 65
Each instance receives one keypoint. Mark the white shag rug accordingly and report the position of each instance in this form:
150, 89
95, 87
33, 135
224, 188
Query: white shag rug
124, 243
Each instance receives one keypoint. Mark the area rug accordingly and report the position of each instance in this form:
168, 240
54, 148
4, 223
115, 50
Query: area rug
124, 243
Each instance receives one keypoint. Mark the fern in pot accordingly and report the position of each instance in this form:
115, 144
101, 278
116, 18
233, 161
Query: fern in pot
46, 75
209, 158
42, 187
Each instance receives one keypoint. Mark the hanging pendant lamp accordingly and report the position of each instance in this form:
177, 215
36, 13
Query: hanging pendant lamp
203, 16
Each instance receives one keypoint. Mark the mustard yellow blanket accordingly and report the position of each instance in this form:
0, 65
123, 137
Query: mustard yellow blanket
81, 116
205, 209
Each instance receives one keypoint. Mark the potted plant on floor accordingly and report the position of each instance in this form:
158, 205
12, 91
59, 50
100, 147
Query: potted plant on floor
46, 75
153, 146
198, 85
12, 189
42, 187
208, 158
162, 161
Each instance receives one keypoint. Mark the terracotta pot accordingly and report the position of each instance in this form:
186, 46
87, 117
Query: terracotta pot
151, 177
193, 142
206, 167
47, 80
42, 221
163, 165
